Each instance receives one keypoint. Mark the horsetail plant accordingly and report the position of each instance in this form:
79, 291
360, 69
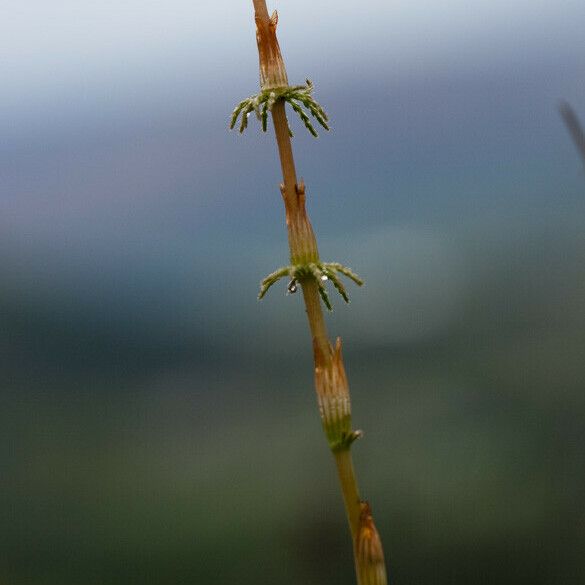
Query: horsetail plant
308, 271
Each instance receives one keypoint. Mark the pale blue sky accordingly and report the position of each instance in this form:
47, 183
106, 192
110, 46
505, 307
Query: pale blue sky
59, 53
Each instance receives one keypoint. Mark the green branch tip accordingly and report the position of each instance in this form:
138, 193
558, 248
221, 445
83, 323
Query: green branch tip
320, 272
298, 96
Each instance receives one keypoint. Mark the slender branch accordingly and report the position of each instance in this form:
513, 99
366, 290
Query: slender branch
574, 127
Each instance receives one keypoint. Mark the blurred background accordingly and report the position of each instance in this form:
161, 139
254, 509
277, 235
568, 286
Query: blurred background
159, 425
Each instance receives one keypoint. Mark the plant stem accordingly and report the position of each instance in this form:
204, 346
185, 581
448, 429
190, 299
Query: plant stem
312, 300
330, 378
574, 127
349, 488
321, 344
261, 10
287, 163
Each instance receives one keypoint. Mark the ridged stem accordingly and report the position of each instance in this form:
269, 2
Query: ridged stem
261, 10
311, 297
329, 371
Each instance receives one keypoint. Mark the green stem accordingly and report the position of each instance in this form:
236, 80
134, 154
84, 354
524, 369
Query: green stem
351, 497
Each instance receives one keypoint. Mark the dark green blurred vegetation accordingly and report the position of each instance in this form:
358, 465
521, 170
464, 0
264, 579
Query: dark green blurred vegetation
128, 461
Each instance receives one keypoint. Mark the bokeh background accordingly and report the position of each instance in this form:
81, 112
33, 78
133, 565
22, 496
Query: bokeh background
159, 425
